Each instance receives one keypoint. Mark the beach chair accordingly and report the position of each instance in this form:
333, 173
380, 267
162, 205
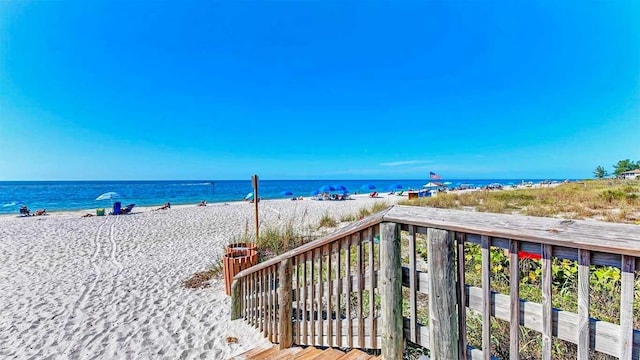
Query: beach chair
24, 211
127, 209
400, 193
373, 194
117, 208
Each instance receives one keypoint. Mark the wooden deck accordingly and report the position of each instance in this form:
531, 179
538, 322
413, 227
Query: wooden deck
298, 353
299, 298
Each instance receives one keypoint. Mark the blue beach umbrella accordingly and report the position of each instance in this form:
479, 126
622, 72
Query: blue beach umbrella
249, 196
395, 186
286, 193
315, 192
368, 187
326, 188
340, 188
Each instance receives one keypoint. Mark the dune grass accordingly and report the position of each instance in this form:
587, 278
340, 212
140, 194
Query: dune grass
607, 200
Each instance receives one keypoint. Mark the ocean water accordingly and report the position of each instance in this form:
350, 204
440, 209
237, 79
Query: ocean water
81, 195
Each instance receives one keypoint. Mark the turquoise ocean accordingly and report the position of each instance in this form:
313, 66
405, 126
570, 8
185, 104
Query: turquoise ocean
81, 195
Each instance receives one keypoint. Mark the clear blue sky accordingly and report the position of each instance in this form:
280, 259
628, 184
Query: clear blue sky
317, 89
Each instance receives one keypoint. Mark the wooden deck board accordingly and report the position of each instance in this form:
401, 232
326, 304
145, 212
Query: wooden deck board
355, 355
329, 354
251, 352
308, 353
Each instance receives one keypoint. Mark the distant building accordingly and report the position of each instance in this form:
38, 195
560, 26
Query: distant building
631, 175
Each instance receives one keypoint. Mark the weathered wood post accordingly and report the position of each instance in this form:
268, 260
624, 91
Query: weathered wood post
443, 320
236, 300
285, 327
391, 291
254, 184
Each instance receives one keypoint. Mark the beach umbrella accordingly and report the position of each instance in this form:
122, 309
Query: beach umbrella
368, 187
286, 193
395, 186
429, 185
315, 192
447, 182
108, 196
340, 188
249, 196
13, 203
326, 188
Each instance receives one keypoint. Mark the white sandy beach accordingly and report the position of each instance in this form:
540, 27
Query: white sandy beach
111, 287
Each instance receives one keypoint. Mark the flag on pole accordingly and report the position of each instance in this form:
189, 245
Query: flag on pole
434, 176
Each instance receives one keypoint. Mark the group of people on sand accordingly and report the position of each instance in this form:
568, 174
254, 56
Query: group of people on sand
24, 211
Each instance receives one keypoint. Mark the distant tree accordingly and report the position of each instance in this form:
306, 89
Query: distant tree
600, 172
625, 165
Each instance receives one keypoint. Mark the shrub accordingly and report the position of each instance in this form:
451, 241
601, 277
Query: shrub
363, 212
378, 206
348, 218
327, 221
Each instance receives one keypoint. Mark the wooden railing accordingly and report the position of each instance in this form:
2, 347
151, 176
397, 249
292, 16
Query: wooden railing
346, 289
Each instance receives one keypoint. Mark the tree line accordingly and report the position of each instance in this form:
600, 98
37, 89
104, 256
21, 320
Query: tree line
618, 169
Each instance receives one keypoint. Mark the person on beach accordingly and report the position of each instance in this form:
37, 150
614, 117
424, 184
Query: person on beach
203, 203
166, 206
24, 211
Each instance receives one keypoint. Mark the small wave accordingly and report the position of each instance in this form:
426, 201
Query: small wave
196, 184
9, 204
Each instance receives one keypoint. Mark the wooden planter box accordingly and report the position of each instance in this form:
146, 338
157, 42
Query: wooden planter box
235, 261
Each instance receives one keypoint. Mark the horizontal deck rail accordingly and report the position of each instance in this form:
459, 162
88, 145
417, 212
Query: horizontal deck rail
345, 289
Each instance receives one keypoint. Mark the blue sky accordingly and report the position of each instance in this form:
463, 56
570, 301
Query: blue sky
317, 89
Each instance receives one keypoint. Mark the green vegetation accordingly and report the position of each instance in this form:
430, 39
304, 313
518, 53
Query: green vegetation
608, 200
625, 165
600, 173
620, 167
327, 221
376, 207
348, 218
604, 297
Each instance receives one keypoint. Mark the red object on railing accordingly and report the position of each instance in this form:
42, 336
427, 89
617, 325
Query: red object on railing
528, 255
